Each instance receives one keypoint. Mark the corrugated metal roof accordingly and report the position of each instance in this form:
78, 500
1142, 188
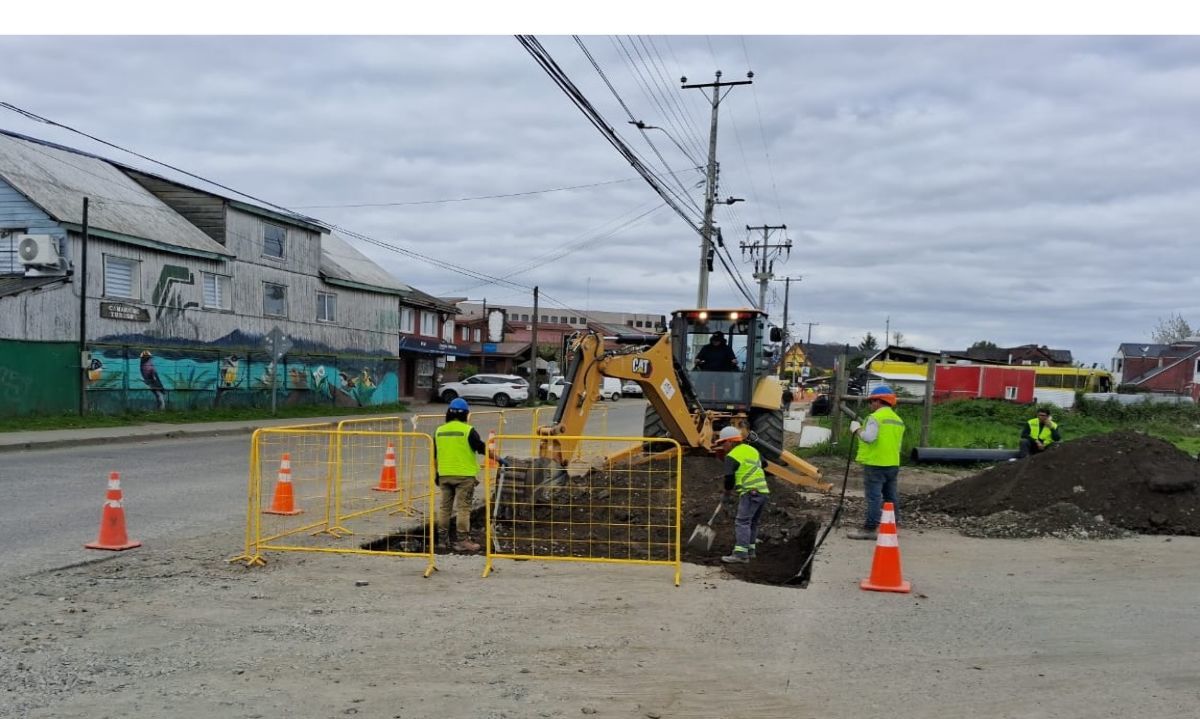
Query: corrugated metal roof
1143, 349
57, 180
339, 260
17, 285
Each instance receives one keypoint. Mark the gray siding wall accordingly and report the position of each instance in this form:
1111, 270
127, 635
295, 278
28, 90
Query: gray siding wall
18, 213
170, 289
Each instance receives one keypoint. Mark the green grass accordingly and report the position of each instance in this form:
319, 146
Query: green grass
995, 424
223, 414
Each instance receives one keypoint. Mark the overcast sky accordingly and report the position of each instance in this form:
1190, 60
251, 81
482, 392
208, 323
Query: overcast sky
1019, 190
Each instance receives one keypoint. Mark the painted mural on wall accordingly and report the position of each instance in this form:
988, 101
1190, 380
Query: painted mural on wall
140, 378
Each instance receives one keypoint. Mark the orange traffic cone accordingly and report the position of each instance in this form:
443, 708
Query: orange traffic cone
387, 475
112, 522
885, 569
488, 462
283, 502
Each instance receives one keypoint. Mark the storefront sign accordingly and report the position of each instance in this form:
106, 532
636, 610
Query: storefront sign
123, 311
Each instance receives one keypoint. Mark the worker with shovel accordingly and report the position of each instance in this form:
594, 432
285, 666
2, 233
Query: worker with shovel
744, 476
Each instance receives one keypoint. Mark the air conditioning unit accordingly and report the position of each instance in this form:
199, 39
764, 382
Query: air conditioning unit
37, 250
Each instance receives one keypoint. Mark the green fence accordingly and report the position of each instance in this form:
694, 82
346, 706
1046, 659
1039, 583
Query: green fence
38, 377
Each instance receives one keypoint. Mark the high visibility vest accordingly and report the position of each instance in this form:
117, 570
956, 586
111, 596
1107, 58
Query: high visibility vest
455, 457
750, 475
1042, 434
885, 450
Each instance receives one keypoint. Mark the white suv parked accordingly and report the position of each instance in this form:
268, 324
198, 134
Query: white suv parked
502, 389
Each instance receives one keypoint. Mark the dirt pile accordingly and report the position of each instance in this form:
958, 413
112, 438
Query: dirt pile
1123, 479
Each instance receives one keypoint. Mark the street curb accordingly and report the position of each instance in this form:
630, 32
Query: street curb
120, 439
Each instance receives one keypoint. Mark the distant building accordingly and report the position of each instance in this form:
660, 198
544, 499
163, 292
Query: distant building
1164, 368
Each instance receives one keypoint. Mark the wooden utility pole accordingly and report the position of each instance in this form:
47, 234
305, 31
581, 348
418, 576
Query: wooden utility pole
764, 255
81, 272
710, 191
927, 410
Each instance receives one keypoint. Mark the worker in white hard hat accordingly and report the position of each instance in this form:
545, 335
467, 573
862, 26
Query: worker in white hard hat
744, 476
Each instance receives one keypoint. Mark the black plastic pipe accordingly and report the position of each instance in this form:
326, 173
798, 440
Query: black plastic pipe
953, 455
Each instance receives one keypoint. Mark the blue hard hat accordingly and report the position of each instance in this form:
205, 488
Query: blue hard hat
885, 393
458, 404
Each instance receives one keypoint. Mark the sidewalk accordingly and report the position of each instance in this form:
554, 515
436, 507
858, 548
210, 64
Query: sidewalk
50, 438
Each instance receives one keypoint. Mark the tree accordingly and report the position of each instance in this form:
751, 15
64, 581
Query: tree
898, 339
1172, 329
984, 345
868, 343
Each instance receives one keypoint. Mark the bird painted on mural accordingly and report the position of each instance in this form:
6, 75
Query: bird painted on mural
347, 380
320, 381
229, 371
150, 377
95, 369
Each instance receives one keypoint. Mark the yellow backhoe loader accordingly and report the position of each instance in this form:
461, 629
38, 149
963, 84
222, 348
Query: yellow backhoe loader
710, 370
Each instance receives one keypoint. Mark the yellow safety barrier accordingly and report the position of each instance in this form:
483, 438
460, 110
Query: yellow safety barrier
338, 490
609, 504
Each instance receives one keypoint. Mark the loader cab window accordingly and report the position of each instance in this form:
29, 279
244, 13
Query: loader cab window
715, 355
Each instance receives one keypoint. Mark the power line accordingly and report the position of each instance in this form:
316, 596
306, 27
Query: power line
466, 199
556, 73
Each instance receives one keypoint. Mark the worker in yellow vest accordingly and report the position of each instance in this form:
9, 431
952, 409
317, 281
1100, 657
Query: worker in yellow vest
879, 454
1039, 433
455, 445
744, 476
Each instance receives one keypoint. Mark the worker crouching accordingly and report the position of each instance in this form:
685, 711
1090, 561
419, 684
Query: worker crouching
744, 476
455, 444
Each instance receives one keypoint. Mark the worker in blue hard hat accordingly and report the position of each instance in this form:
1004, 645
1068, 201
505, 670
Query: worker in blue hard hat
455, 445
879, 454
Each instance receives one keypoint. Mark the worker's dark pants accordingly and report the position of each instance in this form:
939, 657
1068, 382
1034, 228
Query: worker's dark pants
745, 527
879, 485
1028, 447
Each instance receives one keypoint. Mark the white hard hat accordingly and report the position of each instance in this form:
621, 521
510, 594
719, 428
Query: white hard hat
729, 434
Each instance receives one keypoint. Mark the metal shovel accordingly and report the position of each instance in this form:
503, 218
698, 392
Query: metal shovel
704, 534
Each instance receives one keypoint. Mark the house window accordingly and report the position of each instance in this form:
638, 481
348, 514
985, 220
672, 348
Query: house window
9, 264
429, 324
274, 300
1010, 393
273, 237
406, 320
326, 306
524, 318
122, 277
544, 318
478, 335
448, 331
1197, 366
466, 334
216, 291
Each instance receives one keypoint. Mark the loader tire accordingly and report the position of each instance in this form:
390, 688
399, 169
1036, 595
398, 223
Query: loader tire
652, 426
768, 425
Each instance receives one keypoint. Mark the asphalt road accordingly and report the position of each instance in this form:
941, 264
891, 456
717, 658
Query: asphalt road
180, 488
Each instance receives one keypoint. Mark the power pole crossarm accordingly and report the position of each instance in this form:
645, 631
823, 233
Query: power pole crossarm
710, 190
764, 255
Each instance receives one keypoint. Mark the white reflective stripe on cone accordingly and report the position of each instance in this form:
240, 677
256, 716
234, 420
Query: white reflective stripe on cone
887, 540
114, 503
285, 477
114, 484
889, 517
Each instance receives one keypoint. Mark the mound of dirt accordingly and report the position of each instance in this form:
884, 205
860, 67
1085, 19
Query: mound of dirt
1124, 479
